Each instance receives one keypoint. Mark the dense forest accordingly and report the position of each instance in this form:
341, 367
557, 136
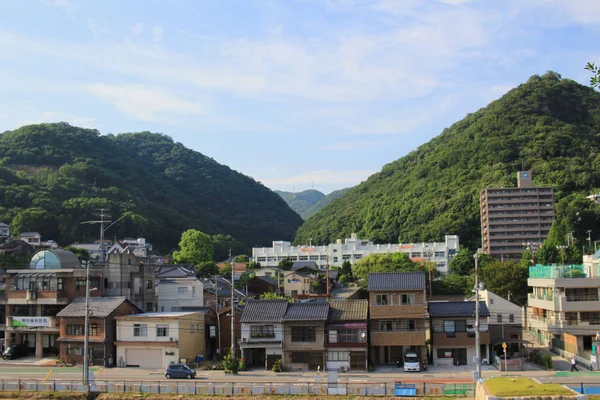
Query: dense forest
53, 177
309, 202
548, 124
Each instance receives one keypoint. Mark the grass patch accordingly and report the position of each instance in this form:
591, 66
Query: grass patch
509, 387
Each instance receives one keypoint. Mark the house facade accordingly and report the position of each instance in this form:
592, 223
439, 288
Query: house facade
262, 332
296, 283
102, 329
153, 340
304, 336
565, 300
178, 288
398, 316
262, 284
453, 333
346, 335
4, 230
32, 238
35, 296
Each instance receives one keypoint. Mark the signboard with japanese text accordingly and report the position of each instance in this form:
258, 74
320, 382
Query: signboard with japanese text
31, 322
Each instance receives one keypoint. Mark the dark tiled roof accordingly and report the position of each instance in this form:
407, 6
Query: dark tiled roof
307, 312
457, 309
100, 307
304, 264
348, 310
396, 281
264, 310
267, 279
175, 271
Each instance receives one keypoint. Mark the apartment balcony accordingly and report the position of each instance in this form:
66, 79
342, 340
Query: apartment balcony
254, 343
443, 339
399, 337
582, 327
415, 310
586, 303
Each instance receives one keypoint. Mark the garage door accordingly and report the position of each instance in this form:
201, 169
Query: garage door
144, 358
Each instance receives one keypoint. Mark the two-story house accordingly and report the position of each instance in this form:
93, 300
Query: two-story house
297, 283
261, 339
262, 284
33, 238
565, 300
102, 329
453, 332
4, 230
34, 297
178, 288
398, 316
346, 335
304, 336
153, 340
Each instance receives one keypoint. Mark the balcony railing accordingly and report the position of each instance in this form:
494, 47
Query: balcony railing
262, 335
583, 297
546, 297
557, 272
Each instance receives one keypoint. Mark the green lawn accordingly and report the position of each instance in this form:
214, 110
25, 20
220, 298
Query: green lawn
508, 387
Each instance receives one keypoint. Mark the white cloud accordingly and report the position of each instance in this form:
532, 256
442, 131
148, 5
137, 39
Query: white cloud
144, 103
137, 29
321, 177
158, 34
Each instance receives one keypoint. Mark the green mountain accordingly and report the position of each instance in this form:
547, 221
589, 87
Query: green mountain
548, 124
301, 202
53, 176
337, 194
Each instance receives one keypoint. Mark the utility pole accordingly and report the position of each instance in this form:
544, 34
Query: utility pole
562, 251
103, 221
86, 343
477, 335
217, 309
327, 278
232, 309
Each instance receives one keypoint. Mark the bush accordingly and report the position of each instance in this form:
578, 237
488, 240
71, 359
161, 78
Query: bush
277, 366
343, 279
547, 362
231, 364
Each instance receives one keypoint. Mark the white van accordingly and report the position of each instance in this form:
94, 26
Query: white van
412, 362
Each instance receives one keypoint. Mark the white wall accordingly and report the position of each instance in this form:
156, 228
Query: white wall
170, 298
277, 327
498, 305
125, 330
166, 360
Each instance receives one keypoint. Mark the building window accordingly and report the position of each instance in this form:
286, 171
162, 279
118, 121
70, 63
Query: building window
382, 299
511, 317
140, 330
449, 328
182, 290
460, 325
357, 256
408, 299
408, 324
74, 351
304, 334
149, 285
323, 257
80, 283
59, 284
75, 330
346, 256
444, 353
294, 293
335, 259
265, 331
386, 326
440, 254
93, 329
303, 258
162, 330
338, 356
499, 318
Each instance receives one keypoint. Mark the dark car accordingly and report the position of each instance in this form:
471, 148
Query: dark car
179, 371
14, 351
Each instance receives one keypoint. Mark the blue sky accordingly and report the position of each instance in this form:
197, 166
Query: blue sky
295, 94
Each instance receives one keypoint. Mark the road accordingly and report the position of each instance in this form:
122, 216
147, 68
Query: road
139, 375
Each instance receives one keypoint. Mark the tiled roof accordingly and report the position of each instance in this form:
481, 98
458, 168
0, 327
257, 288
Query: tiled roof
264, 310
100, 307
29, 234
268, 280
304, 264
175, 271
396, 281
307, 312
457, 309
348, 310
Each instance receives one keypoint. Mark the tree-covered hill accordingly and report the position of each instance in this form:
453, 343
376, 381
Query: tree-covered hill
548, 124
301, 202
52, 177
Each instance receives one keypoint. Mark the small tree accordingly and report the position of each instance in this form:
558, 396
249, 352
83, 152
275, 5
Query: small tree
346, 269
286, 264
207, 269
195, 247
274, 296
231, 364
242, 258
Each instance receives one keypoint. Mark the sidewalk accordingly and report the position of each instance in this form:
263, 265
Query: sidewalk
558, 363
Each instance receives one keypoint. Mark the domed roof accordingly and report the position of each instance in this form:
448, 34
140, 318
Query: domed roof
54, 259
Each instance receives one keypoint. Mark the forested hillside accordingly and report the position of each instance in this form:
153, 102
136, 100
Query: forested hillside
52, 177
548, 124
309, 202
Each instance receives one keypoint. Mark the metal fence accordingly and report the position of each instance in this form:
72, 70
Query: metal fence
237, 388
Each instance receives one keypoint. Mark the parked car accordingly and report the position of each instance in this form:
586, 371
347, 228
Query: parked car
412, 362
179, 371
14, 351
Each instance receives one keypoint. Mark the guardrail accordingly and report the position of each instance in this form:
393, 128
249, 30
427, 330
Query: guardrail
236, 388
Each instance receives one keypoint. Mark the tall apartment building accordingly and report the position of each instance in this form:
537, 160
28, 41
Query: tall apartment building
564, 305
354, 249
513, 217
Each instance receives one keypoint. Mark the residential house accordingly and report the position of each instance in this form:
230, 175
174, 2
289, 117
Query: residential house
304, 336
262, 284
261, 340
126, 274
223, 342
272, 272
565, 301
453, 332
102, 329
33, 238
217, 292
4, 230
239, 268
34, 297
346, 335
153, 340
297, 283
505, 323
16, 247
398, 316
178, 288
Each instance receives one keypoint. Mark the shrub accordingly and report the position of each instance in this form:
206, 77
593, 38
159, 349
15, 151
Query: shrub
277, 366
547, 362
343, 279
231, 364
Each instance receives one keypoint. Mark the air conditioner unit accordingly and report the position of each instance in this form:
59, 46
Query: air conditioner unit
485, 361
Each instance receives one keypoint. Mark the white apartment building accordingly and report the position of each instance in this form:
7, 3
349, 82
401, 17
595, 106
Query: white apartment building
354, 249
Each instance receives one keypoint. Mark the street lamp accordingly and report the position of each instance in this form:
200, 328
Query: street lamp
562, 251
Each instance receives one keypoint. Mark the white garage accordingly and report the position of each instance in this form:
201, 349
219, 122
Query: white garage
144, 358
